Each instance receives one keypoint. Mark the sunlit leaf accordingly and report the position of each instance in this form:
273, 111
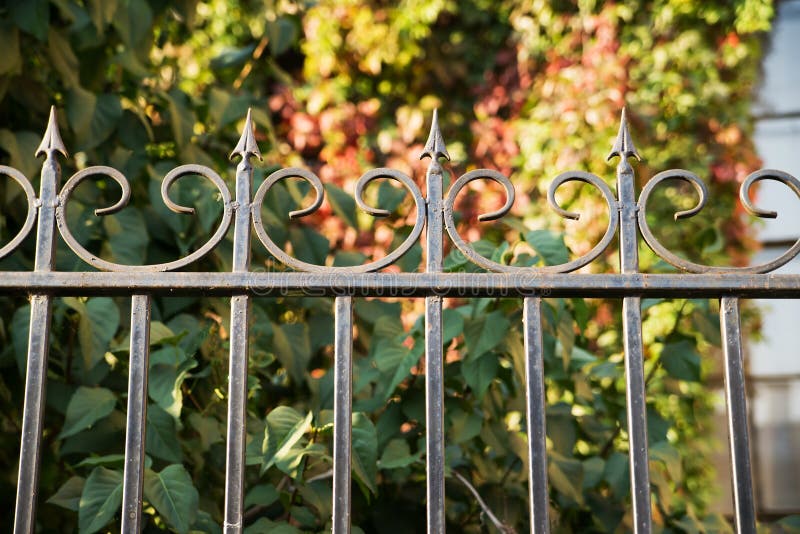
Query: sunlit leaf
86, 407
100, 500
173, 495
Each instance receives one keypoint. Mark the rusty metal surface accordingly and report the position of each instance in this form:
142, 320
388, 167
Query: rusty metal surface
435, 214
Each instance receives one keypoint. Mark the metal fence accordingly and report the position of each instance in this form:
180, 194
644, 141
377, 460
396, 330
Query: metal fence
435, 215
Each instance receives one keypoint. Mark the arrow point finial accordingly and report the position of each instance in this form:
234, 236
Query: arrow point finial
51, 142
435, 147
247, 142
623, 144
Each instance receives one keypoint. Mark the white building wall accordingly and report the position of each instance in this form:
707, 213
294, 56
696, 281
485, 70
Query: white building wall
774, 361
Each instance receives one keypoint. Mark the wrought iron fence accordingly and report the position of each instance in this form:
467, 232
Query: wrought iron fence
435, 215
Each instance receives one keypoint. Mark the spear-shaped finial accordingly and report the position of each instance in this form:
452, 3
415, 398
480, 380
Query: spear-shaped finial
51, 142
623, 144
435, 147
247, 142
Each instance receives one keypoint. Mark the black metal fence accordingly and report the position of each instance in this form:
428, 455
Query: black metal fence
435, 215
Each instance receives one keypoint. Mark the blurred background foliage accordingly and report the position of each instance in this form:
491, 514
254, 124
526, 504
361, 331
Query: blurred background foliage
529, 87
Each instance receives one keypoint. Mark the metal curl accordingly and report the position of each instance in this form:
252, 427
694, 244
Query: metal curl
100, 170
765, 174
561, 179
361, 185
30, 218
702, 191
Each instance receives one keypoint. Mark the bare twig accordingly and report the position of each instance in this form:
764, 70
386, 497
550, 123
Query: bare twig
249, 65
321, 476
502, 527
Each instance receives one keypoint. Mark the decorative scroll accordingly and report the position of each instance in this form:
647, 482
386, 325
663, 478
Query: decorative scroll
618, 206
574, 176
702, 192
311, 178
169, 179
30, 218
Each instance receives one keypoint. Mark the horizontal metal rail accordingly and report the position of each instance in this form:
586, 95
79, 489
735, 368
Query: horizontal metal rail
466, 285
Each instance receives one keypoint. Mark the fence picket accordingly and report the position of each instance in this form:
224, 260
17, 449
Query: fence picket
135, 438
342, 413
736, 400
534, 391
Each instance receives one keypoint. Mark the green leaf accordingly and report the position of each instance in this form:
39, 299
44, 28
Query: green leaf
108, 460
365, 451
32, 16
20, 146
173, 495
282, 34
85, 408
20, 325
403, 370
549, 245
10, 59
285, 428
261, 495
452, 325
162, 437
390, 196
616, 474
98, 322
69, 494
343, 204
479, 373
790, 524
397, 454
388, 354
681, 361
133, 21
665, 453
344, 258
317, 494
102, 13
566, 476
308, 245
93, 117
209, 429
63, 58
225, 108
232, 57
290, 342
169, 367
181, 117
484, 333
265, 526
100, 500
127, 236
465, 425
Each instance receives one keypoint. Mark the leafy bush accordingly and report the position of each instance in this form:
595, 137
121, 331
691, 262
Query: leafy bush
528, 88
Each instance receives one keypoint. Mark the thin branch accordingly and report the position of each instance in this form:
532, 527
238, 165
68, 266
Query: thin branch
502, 527
321, 476
248, 67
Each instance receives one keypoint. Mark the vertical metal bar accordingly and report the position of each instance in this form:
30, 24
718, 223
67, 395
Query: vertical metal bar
434, 414
342, 413
632, 333
33, 413
537, 446
637, 413
239, 334
137, 414
736, 399
434, 357
39, 334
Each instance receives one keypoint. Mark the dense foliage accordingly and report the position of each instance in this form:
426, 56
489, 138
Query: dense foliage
531, 88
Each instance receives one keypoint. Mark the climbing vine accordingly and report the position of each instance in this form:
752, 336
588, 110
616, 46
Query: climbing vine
530, 88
